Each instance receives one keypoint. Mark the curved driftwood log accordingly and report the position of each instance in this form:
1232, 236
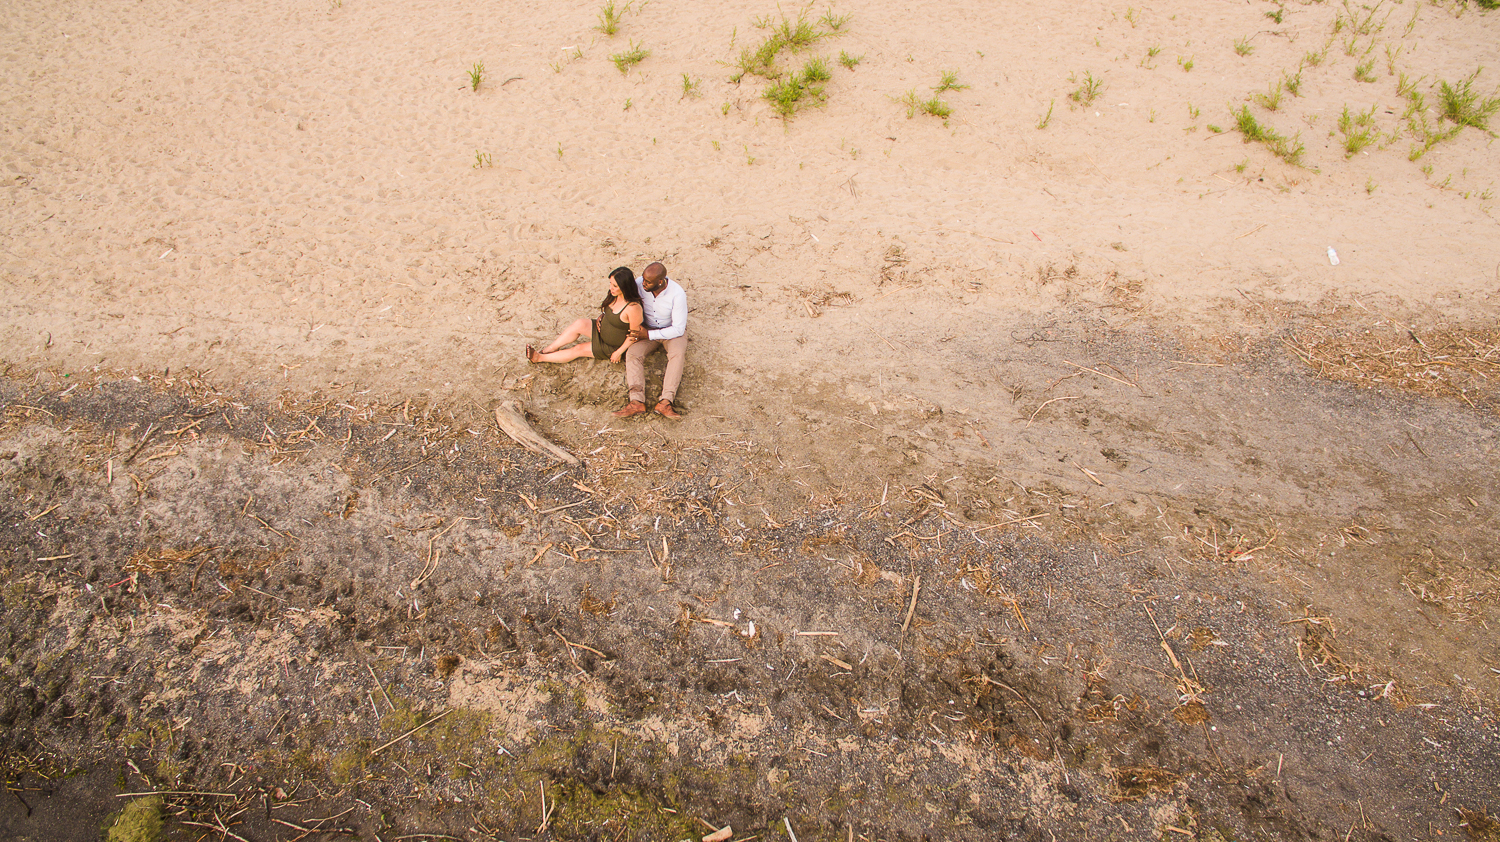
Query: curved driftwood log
512, 419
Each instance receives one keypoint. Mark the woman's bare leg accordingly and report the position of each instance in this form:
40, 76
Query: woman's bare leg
579, 329
582, 349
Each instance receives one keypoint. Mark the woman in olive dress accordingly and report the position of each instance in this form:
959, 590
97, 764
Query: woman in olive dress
604, 338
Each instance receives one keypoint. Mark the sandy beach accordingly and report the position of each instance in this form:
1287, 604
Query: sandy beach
288, 194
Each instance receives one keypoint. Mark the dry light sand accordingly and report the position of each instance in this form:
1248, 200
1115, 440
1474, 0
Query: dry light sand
287, 192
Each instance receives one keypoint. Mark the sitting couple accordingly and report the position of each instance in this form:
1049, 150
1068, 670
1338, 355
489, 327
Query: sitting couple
637, 316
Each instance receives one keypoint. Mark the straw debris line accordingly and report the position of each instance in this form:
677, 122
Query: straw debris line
1448, 362
1465, 593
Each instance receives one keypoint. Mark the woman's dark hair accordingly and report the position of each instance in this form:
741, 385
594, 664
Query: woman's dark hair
625, 280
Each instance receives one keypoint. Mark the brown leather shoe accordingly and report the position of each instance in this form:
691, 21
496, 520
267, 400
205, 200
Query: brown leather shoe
664, 409
629, 409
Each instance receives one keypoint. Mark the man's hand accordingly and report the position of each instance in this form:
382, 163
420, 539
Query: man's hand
640, 333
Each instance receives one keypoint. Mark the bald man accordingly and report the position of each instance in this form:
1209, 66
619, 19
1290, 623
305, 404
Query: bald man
665, 326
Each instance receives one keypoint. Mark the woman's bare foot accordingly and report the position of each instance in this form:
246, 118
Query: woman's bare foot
530, 354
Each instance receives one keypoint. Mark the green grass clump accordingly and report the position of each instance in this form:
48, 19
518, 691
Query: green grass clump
799, 89
1465, 106
1249, 126
609, 17
1271, 99
797, 34
1243, 47
1292, 84
932, 106
689, 86
1360, 21
786, 96
1358, 129
836, 23
630, 58
1090, 90
936, 108
1364, 72
912, 102
1427, 134
1287, 149
476, 75
1392, 55
949, 82
760, 61
790, 92
1406, 86
787, 34
815, 71
1046, 118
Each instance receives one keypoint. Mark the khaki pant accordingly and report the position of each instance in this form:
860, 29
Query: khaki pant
635, 367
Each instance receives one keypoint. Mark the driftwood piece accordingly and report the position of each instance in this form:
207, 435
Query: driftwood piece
512, 420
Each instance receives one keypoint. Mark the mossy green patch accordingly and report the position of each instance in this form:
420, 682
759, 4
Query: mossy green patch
153, 736
464, 738
402, 718
171, 770
348, 766
579, 810
142, 820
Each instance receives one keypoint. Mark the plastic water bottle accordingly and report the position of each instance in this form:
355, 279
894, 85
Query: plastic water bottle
1333, 257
